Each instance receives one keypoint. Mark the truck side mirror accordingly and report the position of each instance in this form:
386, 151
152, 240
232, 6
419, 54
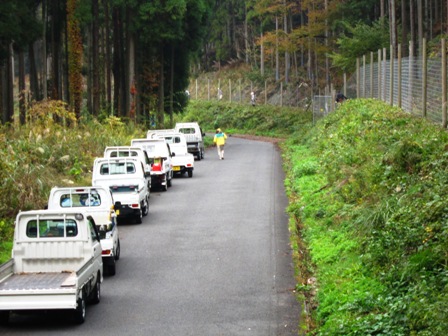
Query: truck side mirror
173, 154
117, 205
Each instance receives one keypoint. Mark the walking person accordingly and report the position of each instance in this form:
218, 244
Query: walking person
220, 141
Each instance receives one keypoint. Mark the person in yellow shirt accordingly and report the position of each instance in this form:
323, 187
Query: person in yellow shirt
220, 141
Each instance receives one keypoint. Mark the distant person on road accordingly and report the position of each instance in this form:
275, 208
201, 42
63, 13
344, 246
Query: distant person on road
220, 141
219, 94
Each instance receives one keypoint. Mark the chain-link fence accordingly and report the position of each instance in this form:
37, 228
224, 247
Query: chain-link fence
269, 92
414, 83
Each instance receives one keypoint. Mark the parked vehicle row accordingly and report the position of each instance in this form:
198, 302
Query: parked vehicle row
59, 254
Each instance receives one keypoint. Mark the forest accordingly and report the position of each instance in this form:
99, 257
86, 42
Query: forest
135, 58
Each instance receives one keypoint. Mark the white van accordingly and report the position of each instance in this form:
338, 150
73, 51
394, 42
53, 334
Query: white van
194, 134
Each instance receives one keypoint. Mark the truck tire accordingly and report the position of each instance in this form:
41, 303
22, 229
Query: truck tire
138, 218
95, 296
168, 181
145, 207
190, 173
199, 156
117, 251
4, 317
111, 269
80, 311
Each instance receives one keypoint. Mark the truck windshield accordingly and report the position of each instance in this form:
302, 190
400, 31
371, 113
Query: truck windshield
80, 200
189, 130
51, 228
116, 168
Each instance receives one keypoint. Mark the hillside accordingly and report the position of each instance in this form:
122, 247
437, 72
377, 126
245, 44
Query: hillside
367, 187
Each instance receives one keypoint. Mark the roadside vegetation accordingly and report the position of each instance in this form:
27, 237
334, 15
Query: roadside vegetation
367, 188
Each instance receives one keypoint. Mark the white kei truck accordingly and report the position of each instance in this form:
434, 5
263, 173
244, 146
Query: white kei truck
182, 161
55, 264
160, 153
193, 133
98, 203
128, 151
127, 180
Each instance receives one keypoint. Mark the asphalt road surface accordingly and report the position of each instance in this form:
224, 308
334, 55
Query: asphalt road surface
211, 258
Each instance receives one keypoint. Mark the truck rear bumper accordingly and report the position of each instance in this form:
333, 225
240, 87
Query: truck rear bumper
38, 300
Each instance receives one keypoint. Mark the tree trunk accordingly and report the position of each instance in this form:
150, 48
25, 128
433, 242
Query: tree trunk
171, 85
130, 73
108, 53
261, 54
44, 50
287, 60
55, 39
9, 113
404, 28
161, 112
393, 26
34, 80
22, 110
116, 69
277, 62
420, 25
95, 60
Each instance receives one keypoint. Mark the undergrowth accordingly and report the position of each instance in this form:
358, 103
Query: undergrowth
367, 190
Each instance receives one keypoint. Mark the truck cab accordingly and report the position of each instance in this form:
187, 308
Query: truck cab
98, 203
193, 134
160, 153
127, 180
182, 161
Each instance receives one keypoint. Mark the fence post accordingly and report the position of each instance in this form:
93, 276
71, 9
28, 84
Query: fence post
444, 116
281, 93
425, 78
391, 76
241, 92
265, 92
208, 88
380, 68
357, 78
364, 83
384, 73
371, 74
399, 76
411, 76
230, 90
345, 84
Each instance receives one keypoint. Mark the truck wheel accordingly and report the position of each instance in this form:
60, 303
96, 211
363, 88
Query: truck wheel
199, 156
168, 181
117, 251
138, 218
111, 269
4, 317
145, 207
202, 153
80, 311
96, 292
190, 173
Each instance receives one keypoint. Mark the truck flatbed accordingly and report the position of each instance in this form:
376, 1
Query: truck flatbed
39, 281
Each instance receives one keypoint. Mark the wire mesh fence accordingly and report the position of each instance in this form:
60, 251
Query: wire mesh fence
414, 83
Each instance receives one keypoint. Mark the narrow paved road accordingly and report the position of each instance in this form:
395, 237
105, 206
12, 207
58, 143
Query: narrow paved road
211, 258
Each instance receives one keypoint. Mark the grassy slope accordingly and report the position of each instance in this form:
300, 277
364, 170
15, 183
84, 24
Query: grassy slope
368, 187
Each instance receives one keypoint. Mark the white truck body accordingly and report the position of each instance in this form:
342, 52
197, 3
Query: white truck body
160, 153
56, 263
182, 161
126, 179
193, 133
128, 151
98, 203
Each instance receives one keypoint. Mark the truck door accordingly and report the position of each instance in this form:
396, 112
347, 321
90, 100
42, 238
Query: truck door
96, 245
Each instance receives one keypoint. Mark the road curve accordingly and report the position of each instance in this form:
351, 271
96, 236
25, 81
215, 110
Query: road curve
211, 258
